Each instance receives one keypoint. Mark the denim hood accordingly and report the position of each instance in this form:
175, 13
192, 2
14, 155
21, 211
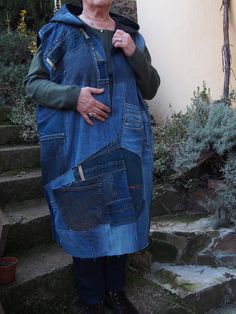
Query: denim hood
69, 12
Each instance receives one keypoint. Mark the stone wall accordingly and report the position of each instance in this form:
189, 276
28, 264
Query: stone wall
125, 7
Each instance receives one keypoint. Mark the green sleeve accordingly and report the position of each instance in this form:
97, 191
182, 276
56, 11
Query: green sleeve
43, 91
147, 77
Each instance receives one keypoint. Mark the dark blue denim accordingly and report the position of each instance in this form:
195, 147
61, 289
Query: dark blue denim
98, 179
108, 188
95, 277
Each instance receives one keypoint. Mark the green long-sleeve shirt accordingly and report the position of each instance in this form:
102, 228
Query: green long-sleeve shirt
50, 94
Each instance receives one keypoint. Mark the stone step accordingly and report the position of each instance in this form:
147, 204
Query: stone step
20, 186
10, 134
227, 309
4, 114
1, 309
202, 288
193, 241
44, 284
43, 279
29, 225
19, 157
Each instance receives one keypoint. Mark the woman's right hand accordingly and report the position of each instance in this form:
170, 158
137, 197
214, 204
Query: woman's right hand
89, 107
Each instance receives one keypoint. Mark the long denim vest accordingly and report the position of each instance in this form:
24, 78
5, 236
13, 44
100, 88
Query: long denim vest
97, 179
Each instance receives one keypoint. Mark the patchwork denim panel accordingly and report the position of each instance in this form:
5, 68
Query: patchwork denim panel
121, 211
133, 130
135, 179
80, 206
113, 193
128, 180
51, 146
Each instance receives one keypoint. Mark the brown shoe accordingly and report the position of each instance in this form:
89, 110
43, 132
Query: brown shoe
97, 308
120, 303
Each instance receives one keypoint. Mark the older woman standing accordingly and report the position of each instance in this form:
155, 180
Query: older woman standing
89, 76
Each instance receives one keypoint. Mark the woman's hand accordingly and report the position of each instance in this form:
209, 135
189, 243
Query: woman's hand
89, 107
124, 41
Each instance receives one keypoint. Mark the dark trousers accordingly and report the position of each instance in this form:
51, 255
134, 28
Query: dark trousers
95, 277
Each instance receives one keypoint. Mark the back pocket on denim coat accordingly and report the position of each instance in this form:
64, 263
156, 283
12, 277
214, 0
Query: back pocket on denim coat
80, 206
133, 130
121, 208
121, 212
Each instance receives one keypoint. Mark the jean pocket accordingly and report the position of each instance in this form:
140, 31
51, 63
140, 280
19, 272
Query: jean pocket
121, 211
50, 146
80, 205
136, 194
133, 129
132, 117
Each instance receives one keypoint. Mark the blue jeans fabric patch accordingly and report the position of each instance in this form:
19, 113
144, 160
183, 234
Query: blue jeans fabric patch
108, 188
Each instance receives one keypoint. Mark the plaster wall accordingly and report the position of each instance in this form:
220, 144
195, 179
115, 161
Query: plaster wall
185, 39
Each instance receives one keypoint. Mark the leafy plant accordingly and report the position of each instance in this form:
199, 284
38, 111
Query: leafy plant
181, 142
167, 136
15, 58
11, 82
23, 113
39, 12
14, 47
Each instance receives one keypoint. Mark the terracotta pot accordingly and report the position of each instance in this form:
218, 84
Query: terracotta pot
7, 269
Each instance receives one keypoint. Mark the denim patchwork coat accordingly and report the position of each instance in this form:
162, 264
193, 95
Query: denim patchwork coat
97, 179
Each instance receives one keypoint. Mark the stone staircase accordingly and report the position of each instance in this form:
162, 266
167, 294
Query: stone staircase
44, 281
43, 270
195, 262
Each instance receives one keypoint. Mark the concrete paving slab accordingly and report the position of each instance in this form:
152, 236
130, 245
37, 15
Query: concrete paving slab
182, 224
43, 274
228, 309
10, 134
1, 309
193, 241
200, 286
30, 225
20, 186
19, 157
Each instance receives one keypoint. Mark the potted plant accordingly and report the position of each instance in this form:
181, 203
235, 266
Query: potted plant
7, 269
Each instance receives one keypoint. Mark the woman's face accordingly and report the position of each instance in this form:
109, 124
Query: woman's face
97, 3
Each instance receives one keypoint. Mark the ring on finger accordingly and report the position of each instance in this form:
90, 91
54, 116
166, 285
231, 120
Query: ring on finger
92, 114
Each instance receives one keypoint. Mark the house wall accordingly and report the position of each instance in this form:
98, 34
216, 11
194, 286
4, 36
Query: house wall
185, 39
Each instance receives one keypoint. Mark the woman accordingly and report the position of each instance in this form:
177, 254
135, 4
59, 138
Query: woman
90, 75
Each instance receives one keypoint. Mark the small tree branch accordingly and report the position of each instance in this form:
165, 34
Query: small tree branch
226, 48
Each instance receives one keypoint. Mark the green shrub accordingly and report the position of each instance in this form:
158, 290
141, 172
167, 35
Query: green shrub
11, 82
181, 141
14, 47
38, 12
15, 59
215, 130
167, 136
23, 113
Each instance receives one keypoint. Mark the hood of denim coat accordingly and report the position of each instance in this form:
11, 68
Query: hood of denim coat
68, 14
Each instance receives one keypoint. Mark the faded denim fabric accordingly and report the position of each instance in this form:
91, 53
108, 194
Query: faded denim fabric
108, 188
97, 180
